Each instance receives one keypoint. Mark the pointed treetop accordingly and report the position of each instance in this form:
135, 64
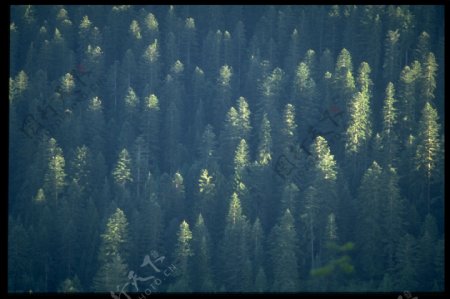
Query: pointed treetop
200, 221
151, 22
152, 103
324, 160
85, 23
241, 157
122, 171
235, 210
184, 238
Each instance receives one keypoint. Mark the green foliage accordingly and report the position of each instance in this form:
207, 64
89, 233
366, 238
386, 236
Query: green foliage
122, 171
265, 142
55, 175
131, 99
391, 62
70, 285
226, 115
113, 250
201, 260
359, 128
151, 54
206, 186
289, 129
428, 143
241, 156
115, 237
325, 163
428, 78
284, 255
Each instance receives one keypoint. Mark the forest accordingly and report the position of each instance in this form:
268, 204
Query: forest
226, 148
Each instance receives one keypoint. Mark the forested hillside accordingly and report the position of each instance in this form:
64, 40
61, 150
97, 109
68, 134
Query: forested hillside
226, 148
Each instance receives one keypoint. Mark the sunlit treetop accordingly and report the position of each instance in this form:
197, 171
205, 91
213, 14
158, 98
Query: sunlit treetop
62, 14
225, 75
151, 54
151, 102
120, 8
135, 30
177, 67
95, 104
190, 23
85, 23
67, 83
151, 22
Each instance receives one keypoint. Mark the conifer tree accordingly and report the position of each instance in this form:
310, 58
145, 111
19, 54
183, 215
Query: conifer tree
122, 171
284, 255
113, 253
428, 147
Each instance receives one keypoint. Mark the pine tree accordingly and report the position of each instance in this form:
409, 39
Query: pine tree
70, 285
428, 148
370, 196
289, 197
257, 248
183, 250
284, 255
427, 248
293, 55
344, 82
235, 248
173, 197
390, 117
150, 66
81, 168
423, 46
391, 64
206, 196
147, 228
241, 158
358, 132
408, 98
223, 94
265, 142
244, 126
111, 276
150, 27
189, 42
324, 161
439, 265
428, 80
406, 264
141, 163
305, 95
122, 171
201, 261
359, 128
261, 281
131, 102
208, 148
112, 254
151, 133
171, 132
19, 257
393, 224
289, 130
364, 82
55, 175
320, 198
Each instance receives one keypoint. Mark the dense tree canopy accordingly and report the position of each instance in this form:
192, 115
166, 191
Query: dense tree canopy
253, 148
